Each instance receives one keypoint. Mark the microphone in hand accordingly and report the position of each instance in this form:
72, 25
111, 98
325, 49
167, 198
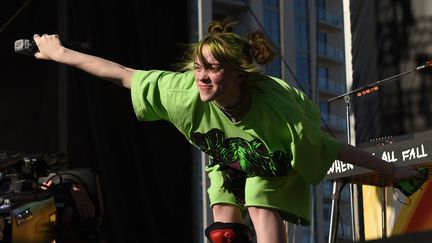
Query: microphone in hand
29, 47
26, 47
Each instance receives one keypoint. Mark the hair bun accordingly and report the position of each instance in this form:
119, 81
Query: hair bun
226, 26
261, 48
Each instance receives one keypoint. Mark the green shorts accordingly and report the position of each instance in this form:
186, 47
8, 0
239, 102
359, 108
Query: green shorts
289, 194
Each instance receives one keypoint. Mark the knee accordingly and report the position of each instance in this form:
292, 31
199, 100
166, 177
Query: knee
268, 224
257, 212
226, 213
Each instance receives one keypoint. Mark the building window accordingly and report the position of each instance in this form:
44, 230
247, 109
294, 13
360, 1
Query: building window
324, 107
302, 45
323, 73
272, 28
302, 71
322, 38
322, 78
321, 4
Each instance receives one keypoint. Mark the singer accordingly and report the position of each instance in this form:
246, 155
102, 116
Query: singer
263, 136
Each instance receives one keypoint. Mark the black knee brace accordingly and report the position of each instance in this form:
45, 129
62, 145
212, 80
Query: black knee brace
228, 233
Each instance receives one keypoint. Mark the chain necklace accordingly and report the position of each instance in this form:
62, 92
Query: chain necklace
227, 110
233, 112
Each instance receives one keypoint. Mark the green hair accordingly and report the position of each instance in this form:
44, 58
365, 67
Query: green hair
244, 56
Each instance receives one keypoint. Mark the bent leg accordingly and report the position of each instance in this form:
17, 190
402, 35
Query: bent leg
226, 213
268, 225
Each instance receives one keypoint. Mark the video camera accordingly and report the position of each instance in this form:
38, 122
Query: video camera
29, 208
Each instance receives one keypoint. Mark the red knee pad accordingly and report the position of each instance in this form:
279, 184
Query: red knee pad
228, 233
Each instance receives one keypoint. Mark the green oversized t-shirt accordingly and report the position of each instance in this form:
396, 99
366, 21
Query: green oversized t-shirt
278, 144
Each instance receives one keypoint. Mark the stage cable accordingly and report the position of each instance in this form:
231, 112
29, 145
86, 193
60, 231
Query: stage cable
399, 200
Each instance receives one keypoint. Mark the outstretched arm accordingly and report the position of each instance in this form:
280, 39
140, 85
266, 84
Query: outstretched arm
356, 156
50, 48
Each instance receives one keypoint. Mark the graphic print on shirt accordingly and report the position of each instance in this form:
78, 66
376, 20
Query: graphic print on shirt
253, 156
